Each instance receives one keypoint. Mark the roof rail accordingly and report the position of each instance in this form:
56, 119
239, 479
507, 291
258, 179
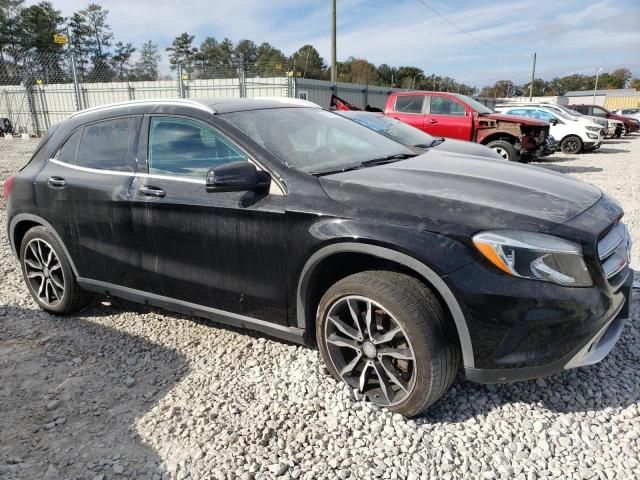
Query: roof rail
159, 101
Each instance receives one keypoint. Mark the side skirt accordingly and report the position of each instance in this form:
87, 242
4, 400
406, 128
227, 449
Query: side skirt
291, 334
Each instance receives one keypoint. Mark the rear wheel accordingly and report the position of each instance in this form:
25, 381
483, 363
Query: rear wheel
387, 335
505, 150
48, 274
571, 144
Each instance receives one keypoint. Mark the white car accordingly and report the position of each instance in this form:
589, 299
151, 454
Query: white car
629, 112
574, 134
612, 128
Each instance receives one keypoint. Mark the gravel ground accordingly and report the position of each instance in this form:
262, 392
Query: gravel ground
127, 391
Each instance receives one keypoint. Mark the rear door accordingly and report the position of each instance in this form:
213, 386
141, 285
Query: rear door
409, 108
83, 192
222, 250
447, 117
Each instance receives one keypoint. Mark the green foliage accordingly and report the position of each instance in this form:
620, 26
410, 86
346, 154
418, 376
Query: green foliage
146, 68
182, 52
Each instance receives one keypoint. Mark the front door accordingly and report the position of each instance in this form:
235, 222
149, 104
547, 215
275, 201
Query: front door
224, 250
83, 192
447, 117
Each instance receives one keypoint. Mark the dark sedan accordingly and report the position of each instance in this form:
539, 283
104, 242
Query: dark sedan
281, 217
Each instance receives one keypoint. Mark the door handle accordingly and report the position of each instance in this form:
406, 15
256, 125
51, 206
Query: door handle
151, 191
432, 121
56, 182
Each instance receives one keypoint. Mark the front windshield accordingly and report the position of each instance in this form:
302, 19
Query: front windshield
313, 140
396, 129
477, 106
561, 114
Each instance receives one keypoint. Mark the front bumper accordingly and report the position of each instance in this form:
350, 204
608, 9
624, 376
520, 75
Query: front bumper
523, 329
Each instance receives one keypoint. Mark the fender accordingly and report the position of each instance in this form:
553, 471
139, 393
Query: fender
20, 217
428, 274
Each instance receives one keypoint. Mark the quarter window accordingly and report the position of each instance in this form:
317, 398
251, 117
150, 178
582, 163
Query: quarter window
182, 147
108, 145
67, 152
445, 106
409, 103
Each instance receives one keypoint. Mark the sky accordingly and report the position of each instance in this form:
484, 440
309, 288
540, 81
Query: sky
569, 36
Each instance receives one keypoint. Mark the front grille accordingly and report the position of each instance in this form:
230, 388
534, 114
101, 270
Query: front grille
614, 251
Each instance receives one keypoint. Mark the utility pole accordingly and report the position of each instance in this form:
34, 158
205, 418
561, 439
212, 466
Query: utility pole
533, 76
595, 87
334, 71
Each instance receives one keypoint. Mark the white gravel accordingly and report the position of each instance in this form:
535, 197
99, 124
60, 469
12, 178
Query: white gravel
126, 391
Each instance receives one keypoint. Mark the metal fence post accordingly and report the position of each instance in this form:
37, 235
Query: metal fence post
291, 87
44, 106
241, 78
365, 95
31, 101
180, 82
76, 83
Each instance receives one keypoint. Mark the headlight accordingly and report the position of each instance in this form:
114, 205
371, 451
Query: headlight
536, 256
593, 129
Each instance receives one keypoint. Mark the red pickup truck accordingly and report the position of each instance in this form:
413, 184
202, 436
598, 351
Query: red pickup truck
452, 115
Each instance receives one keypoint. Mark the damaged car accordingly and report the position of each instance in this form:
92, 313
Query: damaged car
280, 217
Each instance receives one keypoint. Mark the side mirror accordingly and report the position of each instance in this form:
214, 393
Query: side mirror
553, 121
239, 176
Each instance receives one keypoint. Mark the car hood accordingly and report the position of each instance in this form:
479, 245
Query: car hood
462, 147
514, 119
457, 194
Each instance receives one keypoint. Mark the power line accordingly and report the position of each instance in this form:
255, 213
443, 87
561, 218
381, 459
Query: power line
467, 32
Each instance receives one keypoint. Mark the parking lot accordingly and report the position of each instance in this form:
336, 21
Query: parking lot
128, 391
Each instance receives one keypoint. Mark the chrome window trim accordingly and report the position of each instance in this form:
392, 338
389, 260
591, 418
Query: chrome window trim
92, 170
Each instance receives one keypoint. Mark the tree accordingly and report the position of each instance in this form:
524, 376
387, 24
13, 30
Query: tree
146, 68
247, 51
387, 75
620, 77
635, 83
226, 56
363, 72
99, 40
308, 61
10, 33
182, 52
121, 58
269, 60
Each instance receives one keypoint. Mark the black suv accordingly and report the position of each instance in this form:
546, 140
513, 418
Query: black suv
281, 217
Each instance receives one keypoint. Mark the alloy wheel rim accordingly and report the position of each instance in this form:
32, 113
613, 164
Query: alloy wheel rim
502, 152
44, 272
370, 350
572, 146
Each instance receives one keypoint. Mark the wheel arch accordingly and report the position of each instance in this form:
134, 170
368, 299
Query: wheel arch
22, 223
507, 137
305, 305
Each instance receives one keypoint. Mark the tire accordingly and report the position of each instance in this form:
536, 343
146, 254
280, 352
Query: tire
624, 131
505, 150
43, 261
571, 144
423, 331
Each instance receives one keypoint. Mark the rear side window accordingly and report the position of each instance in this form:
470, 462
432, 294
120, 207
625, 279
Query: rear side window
108, 145
67, 152
446, 106
598, 112
178, 146
409, 103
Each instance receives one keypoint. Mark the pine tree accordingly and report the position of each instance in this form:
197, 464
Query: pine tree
146, 68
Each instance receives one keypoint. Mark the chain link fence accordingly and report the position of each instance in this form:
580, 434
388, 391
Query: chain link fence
45, 89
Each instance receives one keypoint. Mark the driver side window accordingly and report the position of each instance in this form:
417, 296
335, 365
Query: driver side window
183, 147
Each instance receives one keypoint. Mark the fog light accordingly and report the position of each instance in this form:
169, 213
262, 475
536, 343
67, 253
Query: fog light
592, 136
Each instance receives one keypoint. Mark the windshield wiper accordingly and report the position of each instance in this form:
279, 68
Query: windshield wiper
368, 163
387, 159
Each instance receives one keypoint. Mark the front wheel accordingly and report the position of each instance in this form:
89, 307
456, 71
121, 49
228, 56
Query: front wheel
571, 144
388, 336
505, 150
48, 274
625, 131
